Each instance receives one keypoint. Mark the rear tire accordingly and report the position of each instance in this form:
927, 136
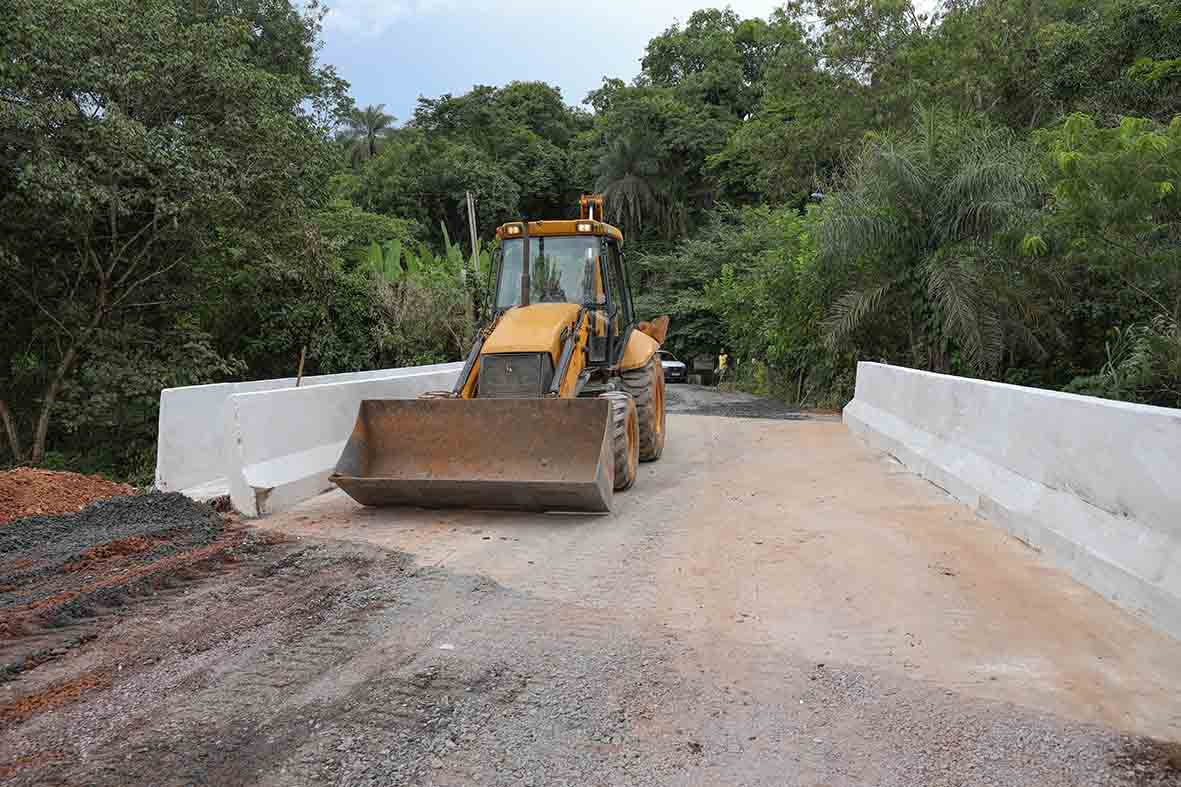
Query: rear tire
625, 438
646, 386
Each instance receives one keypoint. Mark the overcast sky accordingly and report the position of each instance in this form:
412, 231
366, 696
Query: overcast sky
392, 51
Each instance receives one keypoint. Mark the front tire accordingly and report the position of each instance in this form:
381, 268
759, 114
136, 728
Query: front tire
646, 386
625, 438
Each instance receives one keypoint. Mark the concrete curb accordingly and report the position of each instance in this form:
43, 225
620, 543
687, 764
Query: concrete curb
193, 453
281, 445
1089, 483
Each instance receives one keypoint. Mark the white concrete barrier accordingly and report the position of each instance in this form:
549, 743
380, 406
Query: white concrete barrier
281, 445
1093, 484
190, 448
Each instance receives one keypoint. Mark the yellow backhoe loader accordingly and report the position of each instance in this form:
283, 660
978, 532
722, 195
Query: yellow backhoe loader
561, 396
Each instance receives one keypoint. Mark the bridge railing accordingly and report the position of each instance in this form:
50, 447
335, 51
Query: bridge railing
1093, 484
266, 442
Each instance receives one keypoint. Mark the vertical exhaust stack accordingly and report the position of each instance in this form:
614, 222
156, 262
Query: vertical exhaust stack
524, 454
591, 207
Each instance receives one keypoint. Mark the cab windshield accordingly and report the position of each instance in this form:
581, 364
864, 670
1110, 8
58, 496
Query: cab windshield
564, 269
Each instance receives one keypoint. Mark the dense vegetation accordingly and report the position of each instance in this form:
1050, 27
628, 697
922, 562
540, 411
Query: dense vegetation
187, 196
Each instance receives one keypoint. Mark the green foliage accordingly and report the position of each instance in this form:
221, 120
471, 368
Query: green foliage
771, 301
425, 316
123, 187
1143, 365
1115, 215
509, 146
385, 259
1115, 189
364, 128
917, 219
189, 196
1112, 59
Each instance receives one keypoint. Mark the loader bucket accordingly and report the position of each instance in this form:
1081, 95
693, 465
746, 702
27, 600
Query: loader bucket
527, 454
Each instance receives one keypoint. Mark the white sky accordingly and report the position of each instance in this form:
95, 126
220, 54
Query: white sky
374, 17
393, 51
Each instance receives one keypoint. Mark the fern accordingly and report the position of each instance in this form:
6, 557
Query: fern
851, 311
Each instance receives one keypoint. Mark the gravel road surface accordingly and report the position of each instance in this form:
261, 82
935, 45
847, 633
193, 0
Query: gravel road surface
700, 400
773, 603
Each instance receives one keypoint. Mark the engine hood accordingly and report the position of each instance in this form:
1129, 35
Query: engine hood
534, 328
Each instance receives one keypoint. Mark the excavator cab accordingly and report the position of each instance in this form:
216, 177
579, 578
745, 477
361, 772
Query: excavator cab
585, 269
561, 395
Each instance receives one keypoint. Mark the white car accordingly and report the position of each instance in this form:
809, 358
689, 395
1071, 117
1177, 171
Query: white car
674, 370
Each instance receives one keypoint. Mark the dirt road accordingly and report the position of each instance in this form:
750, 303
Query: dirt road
773, 604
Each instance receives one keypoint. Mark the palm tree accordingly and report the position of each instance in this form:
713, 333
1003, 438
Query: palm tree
365, 126
627, 178
917, 219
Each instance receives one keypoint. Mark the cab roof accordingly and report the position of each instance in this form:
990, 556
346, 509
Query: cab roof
551, 227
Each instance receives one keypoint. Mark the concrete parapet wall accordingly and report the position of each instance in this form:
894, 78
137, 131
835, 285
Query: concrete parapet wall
1093, 484
190, 455
281, 445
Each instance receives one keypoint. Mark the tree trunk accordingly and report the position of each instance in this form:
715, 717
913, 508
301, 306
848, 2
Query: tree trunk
14, 442
37, 455
59, 376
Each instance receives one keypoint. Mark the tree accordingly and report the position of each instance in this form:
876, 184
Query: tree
139, 149
717, 59
807, 115
425, 178
1113, 58
770, 298
652, 154
509, 146
365, 127
1114, 220
627, 179
880, 43
918, 216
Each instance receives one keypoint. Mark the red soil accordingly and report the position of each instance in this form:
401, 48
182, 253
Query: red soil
53, 697
27, 491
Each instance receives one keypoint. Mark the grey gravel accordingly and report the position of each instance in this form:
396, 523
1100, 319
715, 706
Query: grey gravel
46, 543
328, 670
705, 400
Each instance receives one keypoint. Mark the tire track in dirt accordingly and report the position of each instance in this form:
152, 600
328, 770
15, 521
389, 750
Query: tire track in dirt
70, 577
350, 665
249, 708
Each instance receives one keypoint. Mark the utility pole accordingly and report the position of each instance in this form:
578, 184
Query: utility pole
475, 282
471, 225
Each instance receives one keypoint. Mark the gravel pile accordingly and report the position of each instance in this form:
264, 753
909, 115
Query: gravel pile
58, 571
126, 530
